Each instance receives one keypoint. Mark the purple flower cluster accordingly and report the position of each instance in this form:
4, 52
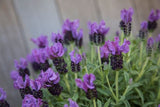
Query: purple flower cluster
39, 59
126, 19
153, 18
75, 61
21, 68
113, 48
158, 41
57, 38
149, 48
143, 33
79, 38
126, 15
97, 32
71, 103
69, 30
3, 102
41, 41
87, 85
31, 101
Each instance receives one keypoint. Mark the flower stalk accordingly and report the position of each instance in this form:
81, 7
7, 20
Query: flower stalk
94, 102
99, 57
117, 93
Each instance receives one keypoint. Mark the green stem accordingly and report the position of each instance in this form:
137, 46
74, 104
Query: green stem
158, 97
66, 82
117, 94
122, 36
92, 52
86, 69
99, 57
110, 88
94, 102
142, 71
75, 79
126, 90
141, 51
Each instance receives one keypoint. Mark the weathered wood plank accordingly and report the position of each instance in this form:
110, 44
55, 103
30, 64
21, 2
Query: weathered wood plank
84, 10
12, 46
37, 17
110, 10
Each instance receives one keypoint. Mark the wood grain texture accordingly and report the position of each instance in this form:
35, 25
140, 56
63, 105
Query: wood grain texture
12, 46
84, 10
37, 17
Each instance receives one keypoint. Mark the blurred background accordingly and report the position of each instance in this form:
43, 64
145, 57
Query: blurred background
22, 19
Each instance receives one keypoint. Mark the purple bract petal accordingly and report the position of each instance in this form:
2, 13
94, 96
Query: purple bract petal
150, 42
76, 59
38, 55
36, 84
88, 80
30, 101
154, 15
125, 46
14, 75
72, 103
2, 94
144, 25
19, 83
22, 64
41, 41
126, 15
104, 51
56, 37
56, 50
100, 29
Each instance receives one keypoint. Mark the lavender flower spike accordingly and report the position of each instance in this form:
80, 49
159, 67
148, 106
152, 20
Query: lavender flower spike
97, 32
69, 30
75, 61
30, 101
56, 50
57, 38
126, 15
143, 33
22, 64
87, 85
71, 103
41, 41
3, 94
154, 15
79, 38
149, 47
144, 25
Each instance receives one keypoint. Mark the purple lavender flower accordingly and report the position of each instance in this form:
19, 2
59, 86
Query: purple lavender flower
79, 38
149, 48
158, 41
159, 105
87, 85
69, 29
56, 50
75, 61
143, 33
3, 94
117, 33
97, 32
116, 49
150, 42
19, 83
71, 103
130, 81
50, 77
153, 18
126, 19
22, 64
57, 38
154, 15
39, 59
3, 102
36, 85
104, 51
30, 101
41, 41
144, 25
51, 80
14, 75
126, 15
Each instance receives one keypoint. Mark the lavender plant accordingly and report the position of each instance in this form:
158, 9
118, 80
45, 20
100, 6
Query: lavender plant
123, 72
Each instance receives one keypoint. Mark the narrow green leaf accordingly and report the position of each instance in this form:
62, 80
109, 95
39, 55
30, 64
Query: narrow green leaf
107, 103
140, 95
99, 103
